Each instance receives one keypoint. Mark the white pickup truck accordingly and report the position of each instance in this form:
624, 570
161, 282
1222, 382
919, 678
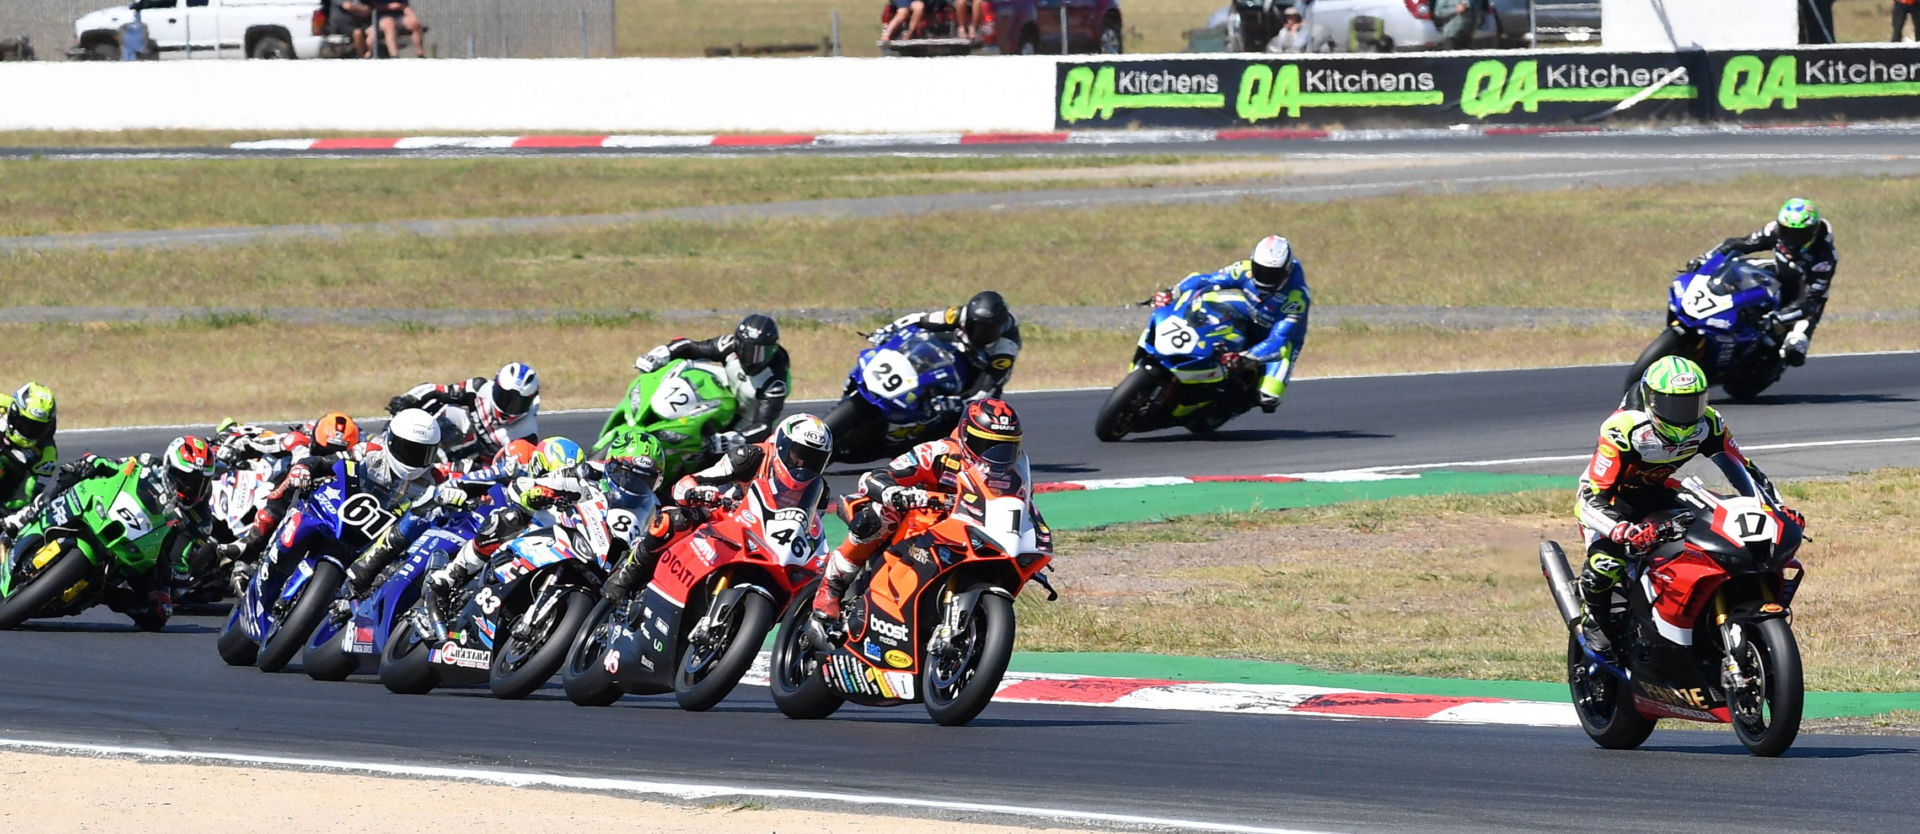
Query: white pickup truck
208, 29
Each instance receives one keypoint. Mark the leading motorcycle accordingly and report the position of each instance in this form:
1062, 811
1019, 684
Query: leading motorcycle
1179, 376
1707, 632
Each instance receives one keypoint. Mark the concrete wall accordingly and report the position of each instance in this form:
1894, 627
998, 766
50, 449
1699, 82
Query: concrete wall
1699, 24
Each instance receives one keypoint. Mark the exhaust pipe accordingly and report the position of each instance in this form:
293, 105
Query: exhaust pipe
1553, 565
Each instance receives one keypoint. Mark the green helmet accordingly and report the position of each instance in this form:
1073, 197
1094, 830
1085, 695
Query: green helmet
31, 416
1674, 391
1798, 223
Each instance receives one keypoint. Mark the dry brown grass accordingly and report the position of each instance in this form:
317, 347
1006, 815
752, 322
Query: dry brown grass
130, 374
1613, 248
1449, 586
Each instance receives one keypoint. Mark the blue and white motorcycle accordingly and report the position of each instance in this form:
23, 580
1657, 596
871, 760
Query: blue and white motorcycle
888, 406
1179, 377
1723, 314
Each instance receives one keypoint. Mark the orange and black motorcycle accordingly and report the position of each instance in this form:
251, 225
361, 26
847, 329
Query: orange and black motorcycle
931, 619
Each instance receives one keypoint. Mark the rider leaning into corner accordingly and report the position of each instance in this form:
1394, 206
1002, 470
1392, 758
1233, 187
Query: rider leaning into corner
757, 369
1661, 424
1804, 260
486, 414
989, 434
183, 478
792, 460
27, 454
988, 338
1278, 285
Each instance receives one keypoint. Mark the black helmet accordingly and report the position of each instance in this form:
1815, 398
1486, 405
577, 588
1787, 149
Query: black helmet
984, 320
755, 340
990, 432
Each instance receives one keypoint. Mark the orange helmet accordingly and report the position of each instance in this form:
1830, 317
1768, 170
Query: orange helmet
335, 432
519, 451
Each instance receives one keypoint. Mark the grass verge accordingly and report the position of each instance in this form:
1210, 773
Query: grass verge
1611, 248
1449, 586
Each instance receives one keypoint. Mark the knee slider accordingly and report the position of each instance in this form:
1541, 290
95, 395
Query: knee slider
1604, 570
866, 524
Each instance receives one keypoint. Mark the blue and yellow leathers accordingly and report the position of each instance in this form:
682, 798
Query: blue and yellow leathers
1282, 314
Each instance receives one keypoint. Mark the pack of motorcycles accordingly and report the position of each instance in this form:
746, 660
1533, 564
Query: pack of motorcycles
931, 621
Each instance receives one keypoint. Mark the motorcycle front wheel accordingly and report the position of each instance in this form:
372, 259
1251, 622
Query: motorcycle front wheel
406, 661
521, 666
67, 568
1604, 703
1766, 716
798, 688
308, 610
958, 686
1126, 405
585, 676
704, 677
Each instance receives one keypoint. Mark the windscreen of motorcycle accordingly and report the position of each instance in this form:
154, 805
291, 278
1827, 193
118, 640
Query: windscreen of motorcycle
789, 533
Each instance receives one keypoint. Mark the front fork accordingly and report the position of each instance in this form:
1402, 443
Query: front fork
703, 631
1733, 636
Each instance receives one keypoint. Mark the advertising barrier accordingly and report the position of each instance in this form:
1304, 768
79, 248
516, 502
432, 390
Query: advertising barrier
1439, 89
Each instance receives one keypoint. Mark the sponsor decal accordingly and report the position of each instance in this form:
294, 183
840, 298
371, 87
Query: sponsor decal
891, 631
1862, 82
871, 650
703, 549
646, 663
677, 569
1772, 608
899, 659
1002, 363
902, 685
612, 663
1693, 698
1493, 87
451, 654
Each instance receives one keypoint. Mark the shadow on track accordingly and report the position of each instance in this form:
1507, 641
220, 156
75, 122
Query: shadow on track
57, 627
1254, 435
1820, 399
1797, 752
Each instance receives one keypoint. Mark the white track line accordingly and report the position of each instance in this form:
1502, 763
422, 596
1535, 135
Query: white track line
683, 791
1456, 464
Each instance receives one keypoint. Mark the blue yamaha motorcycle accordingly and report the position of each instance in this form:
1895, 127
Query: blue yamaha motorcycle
1178, 376
887, 407
340, 647
1723, 315
334, 523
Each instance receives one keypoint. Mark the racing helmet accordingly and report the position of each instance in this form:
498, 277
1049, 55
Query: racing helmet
632, 479
410, 444
520, 452
334, 432
190, 469
990, 432
802, 445
755, 340
513, 393
32, 416
984, 319
555, 454
1272, 263
1798, 223
1674, 391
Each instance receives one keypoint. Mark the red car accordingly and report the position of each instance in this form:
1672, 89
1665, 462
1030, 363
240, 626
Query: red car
1014, 27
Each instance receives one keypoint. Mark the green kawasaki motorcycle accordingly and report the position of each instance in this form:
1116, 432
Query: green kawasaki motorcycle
678, 406
84, 545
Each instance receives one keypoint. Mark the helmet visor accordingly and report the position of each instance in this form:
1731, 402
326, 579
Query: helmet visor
1269, 277
190, 486
628, 478
1797, 238
995, 452
25, 429
804, 463
1677, 410
411, 454
754, 357
510, 402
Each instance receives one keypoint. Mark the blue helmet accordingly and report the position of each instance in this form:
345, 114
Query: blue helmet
514, 392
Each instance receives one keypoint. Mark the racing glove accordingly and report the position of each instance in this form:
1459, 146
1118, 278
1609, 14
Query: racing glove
1638, 535
652, 360
402, 403
1161, 299
1793, 515
947, 405
539, 498
881, 334
725, 442
299, 477
450, 495
908, 498
706, 496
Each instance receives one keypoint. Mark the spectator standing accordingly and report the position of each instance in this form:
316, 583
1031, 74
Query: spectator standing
1903, 11
1458, 20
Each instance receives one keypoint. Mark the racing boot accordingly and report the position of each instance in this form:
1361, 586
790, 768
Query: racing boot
1597, 579
635, 570
1794, 352
364, 570
833, 585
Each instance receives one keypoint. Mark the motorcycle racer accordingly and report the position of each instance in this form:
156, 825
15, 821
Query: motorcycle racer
989, 433
795, 457
986, 333
183, 479
627, 482
481, 415
757, 368
28, 419
518, 458
1275, 279
1660, 426
1804, 260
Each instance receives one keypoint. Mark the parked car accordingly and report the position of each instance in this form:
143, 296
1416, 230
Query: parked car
1407, 25
1017, 27
207, 29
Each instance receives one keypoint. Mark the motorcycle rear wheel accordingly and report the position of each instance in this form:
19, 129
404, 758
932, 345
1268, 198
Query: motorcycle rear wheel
1775, 720
746, 630
544, 656
1604, 704
67, 568
236, 648
585, 676
1125, 405
799, 690
989, 646
406, 665
308, 610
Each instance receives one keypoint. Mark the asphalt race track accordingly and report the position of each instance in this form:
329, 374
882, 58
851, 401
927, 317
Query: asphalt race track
64, 680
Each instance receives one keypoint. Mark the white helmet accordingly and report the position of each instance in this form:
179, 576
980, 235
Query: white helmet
513, 393
802, 444
410, 444
1272, 263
